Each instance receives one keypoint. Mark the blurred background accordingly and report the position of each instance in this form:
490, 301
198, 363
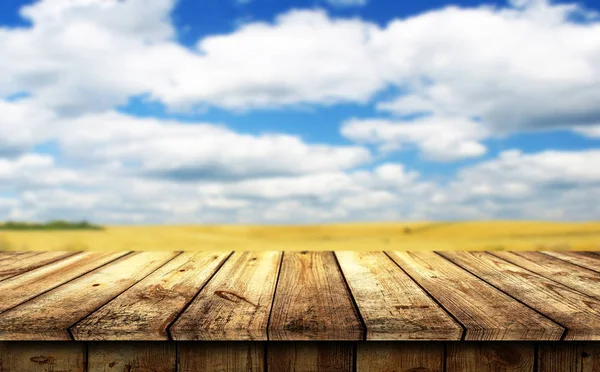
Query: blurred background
297, 124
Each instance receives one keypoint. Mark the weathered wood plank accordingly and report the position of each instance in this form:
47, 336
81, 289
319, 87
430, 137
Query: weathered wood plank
589, 260
391, 303
19, 289
579, 313
236, 302
9, 257
569, 357
312, 301
385, 356
563, 357
42, 357
489, 357
145, 310
486, 313
22, 263
221, 356
132, 356
590, 357
48, 316
310, 356
571, 275
9, 254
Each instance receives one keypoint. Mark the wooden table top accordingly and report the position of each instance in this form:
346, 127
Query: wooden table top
283, 296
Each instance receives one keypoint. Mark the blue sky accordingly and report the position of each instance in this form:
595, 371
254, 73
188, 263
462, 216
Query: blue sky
264, 111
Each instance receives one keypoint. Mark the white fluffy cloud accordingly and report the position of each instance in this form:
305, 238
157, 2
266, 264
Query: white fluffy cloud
117, 197
514, 70
198, 151
524, 68
303, 57
438, 138
464, 76
22, 125
545, 185
548, 169
33, 171
94, 54
81, 55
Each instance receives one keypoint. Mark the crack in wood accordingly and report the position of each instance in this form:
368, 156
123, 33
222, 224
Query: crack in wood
42, 359
233, 297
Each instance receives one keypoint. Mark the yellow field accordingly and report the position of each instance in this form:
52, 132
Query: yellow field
365, 236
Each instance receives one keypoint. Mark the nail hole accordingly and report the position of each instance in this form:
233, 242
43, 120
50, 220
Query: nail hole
95, 285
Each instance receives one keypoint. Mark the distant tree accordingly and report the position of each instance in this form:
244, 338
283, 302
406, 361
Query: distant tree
50, 225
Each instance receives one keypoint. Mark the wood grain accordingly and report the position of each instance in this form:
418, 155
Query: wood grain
10, 254
310, 356
590, 357
8, 258
589, 260
221, 356
145, 310
42, 357
563, 357
577, 312
312, 301
132, 357
22, 263
391, 303
571, 275
569, 357
235, 304
19, 289
67, 304
385, 356
486, 313
490, 357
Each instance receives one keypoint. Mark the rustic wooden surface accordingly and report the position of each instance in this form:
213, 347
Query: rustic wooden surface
392, 305
236, 303
48, 316
16, 290
20, 264
564, 357
295, 296
221, 356
7, 254
490, 357
589, 260
301, 356
8, 258
486, 313
310, 356
400, 356
569, 357
145, 311
577, 312
571, 275
590, 357
131, 356
42, 357
312, 301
